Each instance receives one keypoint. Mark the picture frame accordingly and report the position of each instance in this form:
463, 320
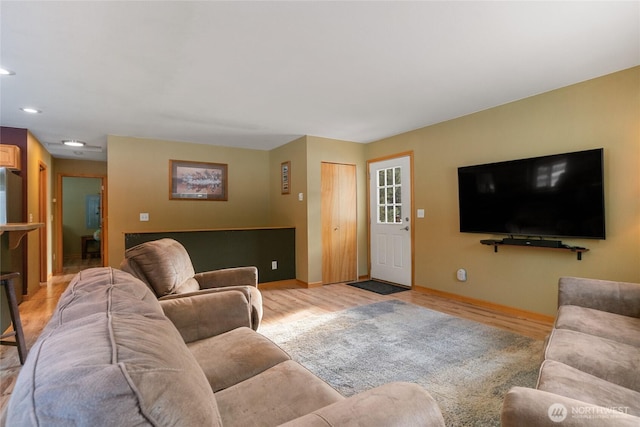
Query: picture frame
190, 180
285, 177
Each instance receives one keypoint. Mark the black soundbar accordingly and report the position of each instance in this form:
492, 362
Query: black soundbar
533, 242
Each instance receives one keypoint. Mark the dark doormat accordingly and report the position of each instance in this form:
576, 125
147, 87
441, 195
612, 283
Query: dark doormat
378, 287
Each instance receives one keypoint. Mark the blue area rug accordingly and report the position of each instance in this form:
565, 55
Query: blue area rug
466, 366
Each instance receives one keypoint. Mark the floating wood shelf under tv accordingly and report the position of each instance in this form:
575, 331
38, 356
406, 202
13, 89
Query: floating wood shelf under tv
535, 243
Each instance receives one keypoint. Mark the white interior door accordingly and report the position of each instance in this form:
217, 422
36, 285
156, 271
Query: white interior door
390, 226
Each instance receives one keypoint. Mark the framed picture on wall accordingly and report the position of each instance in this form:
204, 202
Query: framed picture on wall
197, 180
285, 177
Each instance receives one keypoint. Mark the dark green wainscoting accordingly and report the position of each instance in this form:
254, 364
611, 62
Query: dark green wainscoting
215, 249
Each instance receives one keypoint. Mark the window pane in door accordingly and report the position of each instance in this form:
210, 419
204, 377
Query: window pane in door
390, 216
390, 196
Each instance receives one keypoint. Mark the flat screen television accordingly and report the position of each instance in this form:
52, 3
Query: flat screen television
561, 195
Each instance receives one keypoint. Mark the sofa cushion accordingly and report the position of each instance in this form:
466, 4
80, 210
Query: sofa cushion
412, 406
235, 356
279, 394
529, 407
207, 313
89, 292
606, 359
624, 329
109, 354
164, 265
558, 378
605, 295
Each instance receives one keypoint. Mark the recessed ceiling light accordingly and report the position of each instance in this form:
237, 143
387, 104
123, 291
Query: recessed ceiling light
31, 110
5, 72
73, 143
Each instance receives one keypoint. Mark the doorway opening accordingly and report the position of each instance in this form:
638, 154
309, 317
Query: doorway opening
80, 223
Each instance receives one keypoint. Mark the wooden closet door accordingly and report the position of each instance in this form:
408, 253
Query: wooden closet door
338, 216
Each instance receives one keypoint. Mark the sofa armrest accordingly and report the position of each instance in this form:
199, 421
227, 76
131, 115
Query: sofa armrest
530, 407
237, 276
393, 404
204, 314
614, 297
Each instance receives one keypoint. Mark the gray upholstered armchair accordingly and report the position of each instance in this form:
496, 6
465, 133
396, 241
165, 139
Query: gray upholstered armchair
165, 266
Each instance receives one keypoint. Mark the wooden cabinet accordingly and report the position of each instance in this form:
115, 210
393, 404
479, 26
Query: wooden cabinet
10, 156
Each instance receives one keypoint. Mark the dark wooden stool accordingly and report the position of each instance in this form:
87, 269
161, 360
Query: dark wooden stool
6, 280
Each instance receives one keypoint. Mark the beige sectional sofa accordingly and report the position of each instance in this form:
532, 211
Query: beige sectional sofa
590, 375
114, 355
165, 266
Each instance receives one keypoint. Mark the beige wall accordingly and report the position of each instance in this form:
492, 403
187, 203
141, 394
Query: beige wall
603, 112
138, 171
286, 209
306, 155
36, 155
72, 167
255, 198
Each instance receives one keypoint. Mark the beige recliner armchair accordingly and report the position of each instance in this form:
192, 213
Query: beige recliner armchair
165, 266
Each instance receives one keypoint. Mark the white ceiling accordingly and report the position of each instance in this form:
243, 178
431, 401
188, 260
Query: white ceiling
260, 74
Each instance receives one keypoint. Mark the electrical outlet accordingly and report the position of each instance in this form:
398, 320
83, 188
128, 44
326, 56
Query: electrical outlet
144, 216
274, 265
461, 274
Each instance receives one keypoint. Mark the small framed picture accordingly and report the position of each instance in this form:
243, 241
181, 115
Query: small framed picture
197, 180
285, 177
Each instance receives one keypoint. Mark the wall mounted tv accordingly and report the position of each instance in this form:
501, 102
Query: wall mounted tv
561, 195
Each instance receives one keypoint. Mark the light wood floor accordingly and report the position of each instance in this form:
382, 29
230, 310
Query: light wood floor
280, 305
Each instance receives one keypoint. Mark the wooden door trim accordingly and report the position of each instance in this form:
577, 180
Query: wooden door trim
43, 213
